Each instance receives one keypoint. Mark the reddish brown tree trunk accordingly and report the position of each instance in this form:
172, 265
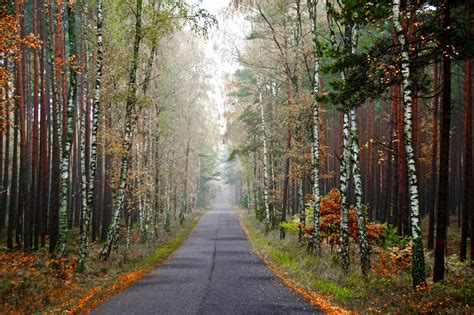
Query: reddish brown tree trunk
43, 181
23, 175
468, 185
31, 215
442, 216
434, 161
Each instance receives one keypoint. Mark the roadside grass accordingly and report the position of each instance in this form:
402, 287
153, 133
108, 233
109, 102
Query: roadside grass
387, 289
37, 283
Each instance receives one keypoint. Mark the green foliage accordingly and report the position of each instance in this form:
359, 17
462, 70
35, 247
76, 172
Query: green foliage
290, 226
389, 237
244, 201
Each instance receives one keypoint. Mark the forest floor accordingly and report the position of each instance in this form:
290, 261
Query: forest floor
387, 289
36, 282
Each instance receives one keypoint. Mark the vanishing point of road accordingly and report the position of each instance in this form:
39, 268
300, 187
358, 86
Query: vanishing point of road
214, 272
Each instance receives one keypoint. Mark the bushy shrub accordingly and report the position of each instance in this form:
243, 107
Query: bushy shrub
330, 220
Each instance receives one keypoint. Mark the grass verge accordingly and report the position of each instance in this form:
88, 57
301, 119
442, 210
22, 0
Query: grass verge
390, 291
36, 283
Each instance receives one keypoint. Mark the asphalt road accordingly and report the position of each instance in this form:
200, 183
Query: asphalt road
214, 272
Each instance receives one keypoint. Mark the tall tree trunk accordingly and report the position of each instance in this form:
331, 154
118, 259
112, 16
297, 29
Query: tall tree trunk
255, 182
315, 241
67, 147
6, 160
92, 171
302, 212
442, 216
468, 185
112, 235
20, 104
185, 196
108, 200
418, 258
289, 129
265, 166
434, 161
13, 209
55, 60
31, 209
344, 182
43, 171
364, 249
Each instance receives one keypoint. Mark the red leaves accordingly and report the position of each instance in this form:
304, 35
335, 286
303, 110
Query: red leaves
330, 220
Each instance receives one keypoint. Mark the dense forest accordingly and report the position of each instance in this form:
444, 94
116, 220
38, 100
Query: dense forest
102, 120
371, 98
346, 128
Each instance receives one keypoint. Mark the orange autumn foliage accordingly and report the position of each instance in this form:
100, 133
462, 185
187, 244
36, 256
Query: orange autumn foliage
330, 220
10, 43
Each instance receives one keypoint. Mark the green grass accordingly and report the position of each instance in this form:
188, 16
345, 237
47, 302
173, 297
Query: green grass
165, 249
354, 291
332, 289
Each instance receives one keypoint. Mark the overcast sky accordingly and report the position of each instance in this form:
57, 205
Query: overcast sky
231, 31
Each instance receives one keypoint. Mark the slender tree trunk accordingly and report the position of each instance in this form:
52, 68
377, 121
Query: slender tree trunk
108, 201
286, 180
315, 240
255, 182
43, 171
434, 162
418, 258
468, 185
31, 210
20, 104
442, 216
56, 130
6, 160
302, 212
92, 171
4, 129
112, 235
265, 166
13, 209
67, 147
185, 196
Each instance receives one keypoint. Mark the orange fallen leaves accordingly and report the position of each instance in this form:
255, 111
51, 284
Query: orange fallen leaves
317, 299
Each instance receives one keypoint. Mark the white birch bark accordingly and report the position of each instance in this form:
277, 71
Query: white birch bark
344, 182
84, 249
67, 148
95, 127
265, 166
315, 240
113, 232
302, 211
364, 249
418, 259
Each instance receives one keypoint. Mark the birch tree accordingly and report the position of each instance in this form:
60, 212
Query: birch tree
315, 241
67, 146
113, 232
84, 249
265, 164
418, 258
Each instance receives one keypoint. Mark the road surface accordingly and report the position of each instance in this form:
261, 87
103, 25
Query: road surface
213, 272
